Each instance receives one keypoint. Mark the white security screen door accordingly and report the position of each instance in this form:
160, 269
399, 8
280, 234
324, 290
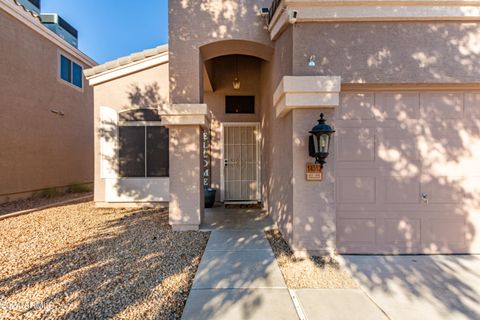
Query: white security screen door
241, 162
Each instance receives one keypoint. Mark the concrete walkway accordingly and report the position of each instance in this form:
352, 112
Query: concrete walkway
239, 278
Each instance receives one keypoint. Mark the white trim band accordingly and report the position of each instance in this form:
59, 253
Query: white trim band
325, 11
186, 115
306, 92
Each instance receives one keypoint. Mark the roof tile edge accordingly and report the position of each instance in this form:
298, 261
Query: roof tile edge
122, 61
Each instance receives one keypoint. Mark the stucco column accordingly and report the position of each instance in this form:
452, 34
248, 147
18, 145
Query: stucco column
314, 211
186, 122
313, 202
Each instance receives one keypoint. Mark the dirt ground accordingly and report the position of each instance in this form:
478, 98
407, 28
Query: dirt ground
76, 261
313, 272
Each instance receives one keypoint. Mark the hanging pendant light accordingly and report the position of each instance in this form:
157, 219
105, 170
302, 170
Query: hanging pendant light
236, 79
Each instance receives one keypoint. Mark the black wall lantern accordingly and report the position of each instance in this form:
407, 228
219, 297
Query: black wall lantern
319, 142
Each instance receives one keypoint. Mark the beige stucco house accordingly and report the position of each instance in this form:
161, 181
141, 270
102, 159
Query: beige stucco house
398, 80
46, 106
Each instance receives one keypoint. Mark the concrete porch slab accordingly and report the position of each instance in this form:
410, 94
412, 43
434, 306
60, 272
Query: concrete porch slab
420, 287
239, 304
236, 219
338, 304
235, 240
238, 269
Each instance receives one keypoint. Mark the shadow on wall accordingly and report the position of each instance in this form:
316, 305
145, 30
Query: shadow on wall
403, 143
146, 98
389, 148
194, 23
416, 52
417, 143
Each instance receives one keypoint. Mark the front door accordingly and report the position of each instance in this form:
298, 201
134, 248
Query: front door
241, 162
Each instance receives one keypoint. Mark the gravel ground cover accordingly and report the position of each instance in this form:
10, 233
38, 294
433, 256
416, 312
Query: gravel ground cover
79, 262
313, 272
37, 202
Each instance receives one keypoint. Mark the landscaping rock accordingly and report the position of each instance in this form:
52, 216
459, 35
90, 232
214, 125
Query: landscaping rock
79, 262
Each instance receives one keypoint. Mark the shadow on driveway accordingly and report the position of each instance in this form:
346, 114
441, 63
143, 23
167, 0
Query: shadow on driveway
421, 287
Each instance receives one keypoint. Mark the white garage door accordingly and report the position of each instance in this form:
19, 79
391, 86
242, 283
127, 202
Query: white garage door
407, 172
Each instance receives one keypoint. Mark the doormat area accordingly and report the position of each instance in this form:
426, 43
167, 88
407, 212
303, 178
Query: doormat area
244, 206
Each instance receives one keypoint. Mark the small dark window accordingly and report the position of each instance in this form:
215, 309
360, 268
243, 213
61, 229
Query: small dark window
157, 152
240, 104
66, 69
77, 75
71, 72
143, 151
132, 151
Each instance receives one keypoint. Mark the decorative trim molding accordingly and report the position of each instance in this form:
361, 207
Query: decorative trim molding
127, 69
186, 115
12, 9
306, 92
373, 10
352, 87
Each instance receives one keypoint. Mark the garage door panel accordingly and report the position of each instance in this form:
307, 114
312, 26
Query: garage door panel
356, 106
440, 234
424, 142
356, 189
472, 116
394, 145
370, 124
402, 189
472, 104
430, 211
465, 166
356, 145
438, 106
402, 231
397, 105
405, 169
397, 150
358, 231
472, 112
443, 189
443, 143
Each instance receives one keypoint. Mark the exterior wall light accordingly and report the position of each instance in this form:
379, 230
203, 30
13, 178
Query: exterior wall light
311, 62
236, 79
319, 142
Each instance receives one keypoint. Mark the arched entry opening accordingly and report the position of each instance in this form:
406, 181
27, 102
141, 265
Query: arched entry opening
234, 92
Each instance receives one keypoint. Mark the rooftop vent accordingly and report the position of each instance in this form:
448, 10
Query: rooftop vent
31, 5
61, 27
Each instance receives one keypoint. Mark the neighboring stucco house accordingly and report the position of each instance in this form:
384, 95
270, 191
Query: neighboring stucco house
398, 80
46, 107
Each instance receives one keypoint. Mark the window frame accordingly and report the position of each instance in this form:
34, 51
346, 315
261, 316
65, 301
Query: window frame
145, 125
72, 62
240, 97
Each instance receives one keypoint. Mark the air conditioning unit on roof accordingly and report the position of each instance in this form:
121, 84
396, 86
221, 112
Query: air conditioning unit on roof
61, 27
